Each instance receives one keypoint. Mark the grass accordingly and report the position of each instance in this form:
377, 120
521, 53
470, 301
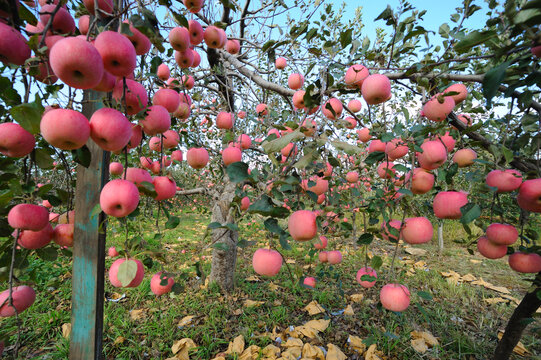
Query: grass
465, 325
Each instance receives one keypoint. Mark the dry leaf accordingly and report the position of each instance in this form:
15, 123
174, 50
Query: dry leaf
349, 310
495, 300
334, 353
253, 278
313, 327
250, 353
236, 346
271, 352
293, 342
137, 314
415, 251
476, 261
513, 299
119, 340
452, 276
290, 261
216, 358
66, 330
420, 265
237, 312
357, 298
314, 308
273, 286
310, 351
292, 353
519, 349
488, 285
252, 303
419, 345
182, 347
356, 343
468, 278
372, 353
186, 320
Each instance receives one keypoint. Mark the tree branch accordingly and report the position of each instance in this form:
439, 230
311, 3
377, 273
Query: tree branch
192, 191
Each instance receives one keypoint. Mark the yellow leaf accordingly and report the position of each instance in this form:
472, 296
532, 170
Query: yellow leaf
519, 349
292, 353
349, 310
270, 352
372, 353
137, 314
290, 261
182, 347
119, 340
419, 265
293, 342
237, 312
334, 353
236, 346
66, 330
253, 278
252, 303
313, 327
357, 298
476, 261
313, 308
419, 345
356, 344
488, 285
273, 286
415, 251
250, 353
186, 320
468, 278
495, 300
312, 352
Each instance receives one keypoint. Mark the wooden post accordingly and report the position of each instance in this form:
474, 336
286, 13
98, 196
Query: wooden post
89, 250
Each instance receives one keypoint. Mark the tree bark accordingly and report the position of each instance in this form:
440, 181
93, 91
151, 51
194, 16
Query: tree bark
440, 236
516, 325
224, 254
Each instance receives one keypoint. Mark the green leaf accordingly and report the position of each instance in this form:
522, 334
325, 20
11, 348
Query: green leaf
470, 212
492, 81
272, 225
473, 39
283, 242
424, 295
264, 206
528, 15
180, 19
508, 154
346, 147
444, 30
405, 192
238, 172
82, 156
127, 272
345, 37
280, 143
26, 15
374, 157
48, 253
385, 14
214, 225
147, 188
376, 262
28, 116
172, 222
96, 210
43, 159
125, 29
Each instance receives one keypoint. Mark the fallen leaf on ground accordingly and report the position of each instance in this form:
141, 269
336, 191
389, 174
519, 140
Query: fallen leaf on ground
422, 340
137, 314
237, 312
415, 251
500, 289
468, 278
519, 349
250, 353
182, 347
236, 346
356, 343
119, 340
476, 261
252, 303
357, 298
186, 320
273, 286
291, 261
451, 276
292, 353
253, 278
373, 353
334, 353
270, 352
313, 327
349, 310
496, 300
66, 330
314, 308
310, 351
293, 342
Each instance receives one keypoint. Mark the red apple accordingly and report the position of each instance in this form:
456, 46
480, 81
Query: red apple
167, 98
136, 95
309, 281
245, 203
28, 217
368, 271
29, 239
502, 234
196, 32
322, 244
525, 263
214, 38
116, 168
137, 176
232, 47
163, 72
323, 256
352, 177
113, 273
376, 145
355, 105
302, 225
355, 75
105, 5
386, 170
140, 41
119, 198
197, 158
447, 204
422, 181
63, 22
464, 157
15, 141
65, 129
63, 234
110, 129
295, 81
231, 155
224, 120
334, 257
336, 107
13, 46
156, 121
395, 297
460, 89
376, 89
117, 52
112, 252
489, 249
267, 262
386, 232
438, 107
179, 38
165, 188
261, 110
157, 288
417, 230
22, 298
529, 195
364, 135
176, 155
280, 63
433, 156
504, 180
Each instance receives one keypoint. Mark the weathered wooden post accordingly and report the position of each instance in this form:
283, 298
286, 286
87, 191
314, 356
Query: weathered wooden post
89, 249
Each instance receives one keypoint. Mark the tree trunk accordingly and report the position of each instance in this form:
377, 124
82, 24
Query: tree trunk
516, 325
440, 236
224, 254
